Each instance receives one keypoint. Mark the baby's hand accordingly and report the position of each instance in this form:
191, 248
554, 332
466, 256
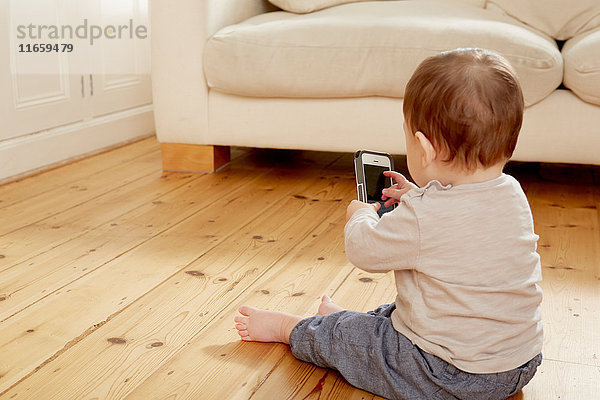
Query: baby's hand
357, 205
392, 194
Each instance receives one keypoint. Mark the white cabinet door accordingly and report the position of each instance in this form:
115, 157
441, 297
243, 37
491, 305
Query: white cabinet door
121, 66
33, 99
44, 90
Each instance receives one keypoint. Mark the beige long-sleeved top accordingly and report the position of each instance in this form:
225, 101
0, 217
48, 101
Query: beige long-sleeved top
466, 270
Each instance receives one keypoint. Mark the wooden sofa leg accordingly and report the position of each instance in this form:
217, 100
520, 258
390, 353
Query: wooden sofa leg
193, 157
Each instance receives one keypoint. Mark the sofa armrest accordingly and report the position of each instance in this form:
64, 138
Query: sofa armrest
180, 30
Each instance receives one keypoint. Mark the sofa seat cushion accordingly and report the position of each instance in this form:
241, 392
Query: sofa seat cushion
558, 18
582, 66
304, 6
368, 49
307, 6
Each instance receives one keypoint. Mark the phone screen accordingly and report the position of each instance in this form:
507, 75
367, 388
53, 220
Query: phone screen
376, 182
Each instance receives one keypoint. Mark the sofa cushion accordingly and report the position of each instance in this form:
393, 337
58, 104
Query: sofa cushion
368, 49
306, 6
558, 18
582, 66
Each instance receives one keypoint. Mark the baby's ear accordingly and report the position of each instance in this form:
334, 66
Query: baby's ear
429, 153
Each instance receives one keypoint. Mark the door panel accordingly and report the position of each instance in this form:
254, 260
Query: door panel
38, 90
123, 80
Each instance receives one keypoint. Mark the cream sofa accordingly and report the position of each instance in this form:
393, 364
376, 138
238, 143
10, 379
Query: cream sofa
244, 73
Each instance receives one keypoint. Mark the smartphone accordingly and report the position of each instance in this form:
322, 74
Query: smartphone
370, 181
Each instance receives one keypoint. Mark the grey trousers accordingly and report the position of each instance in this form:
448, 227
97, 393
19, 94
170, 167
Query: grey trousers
371, 355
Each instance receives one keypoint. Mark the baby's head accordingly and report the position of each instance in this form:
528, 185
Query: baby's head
469, 105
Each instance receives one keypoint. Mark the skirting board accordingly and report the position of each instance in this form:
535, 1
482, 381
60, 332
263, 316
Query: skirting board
32, 153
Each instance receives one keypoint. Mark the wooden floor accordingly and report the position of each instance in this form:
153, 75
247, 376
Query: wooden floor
120, 281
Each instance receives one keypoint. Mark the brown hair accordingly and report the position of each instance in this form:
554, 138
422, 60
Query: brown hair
469, 104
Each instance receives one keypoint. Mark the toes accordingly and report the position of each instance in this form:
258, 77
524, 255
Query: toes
326, 299
246, 310
245, 335
241, 320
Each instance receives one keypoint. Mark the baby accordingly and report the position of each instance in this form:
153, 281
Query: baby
466, 321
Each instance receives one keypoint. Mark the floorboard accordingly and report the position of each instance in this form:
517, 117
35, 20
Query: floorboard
13, 192
52, 202
120, 281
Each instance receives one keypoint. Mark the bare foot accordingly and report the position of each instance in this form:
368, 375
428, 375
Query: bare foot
327, 306
256, 325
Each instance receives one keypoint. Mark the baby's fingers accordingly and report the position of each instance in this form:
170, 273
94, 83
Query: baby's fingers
393, 193
389, 202
396, 176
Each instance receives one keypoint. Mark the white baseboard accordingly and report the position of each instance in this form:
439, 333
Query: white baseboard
32, 153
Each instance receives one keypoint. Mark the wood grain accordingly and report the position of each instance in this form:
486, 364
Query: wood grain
13, 192
360, 291
294, 284
193, 157
62, 197
569, 247
128, 289
146, 265
229, 264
